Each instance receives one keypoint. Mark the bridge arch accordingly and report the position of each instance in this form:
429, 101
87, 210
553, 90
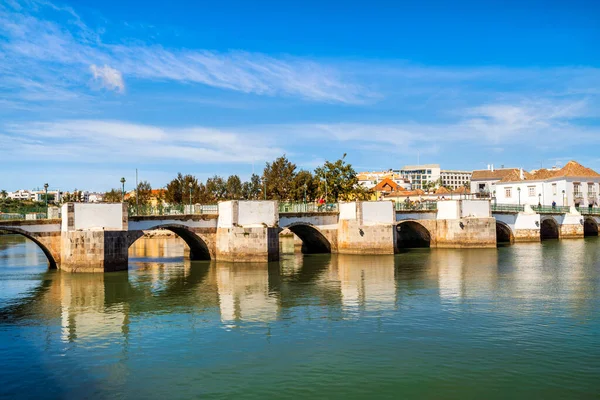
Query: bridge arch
313, 240
199, 250
412, 234
590, 227
504, 234
52, 259
549, 229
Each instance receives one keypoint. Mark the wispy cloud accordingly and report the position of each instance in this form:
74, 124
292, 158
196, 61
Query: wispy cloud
33, 39
109, 77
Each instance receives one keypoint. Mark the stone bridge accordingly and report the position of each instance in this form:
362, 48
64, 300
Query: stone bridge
96, 237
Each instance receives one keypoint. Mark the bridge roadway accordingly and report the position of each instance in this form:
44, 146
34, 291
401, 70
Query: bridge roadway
96, 237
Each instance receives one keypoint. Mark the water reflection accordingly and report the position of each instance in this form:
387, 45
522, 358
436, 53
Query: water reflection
445, 312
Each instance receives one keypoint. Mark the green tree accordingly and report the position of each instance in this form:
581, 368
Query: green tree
278, 178
3, 194
143, 193
341, 181
112, 196
234, 187
217, 188
304, 184
178, 190
251, 190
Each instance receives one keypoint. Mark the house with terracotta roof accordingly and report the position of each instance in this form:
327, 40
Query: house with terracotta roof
570, 185
483, 181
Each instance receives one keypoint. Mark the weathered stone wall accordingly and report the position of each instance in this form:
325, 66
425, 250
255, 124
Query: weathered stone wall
526, 235
240, 244
466, 233
94, 251
354, 238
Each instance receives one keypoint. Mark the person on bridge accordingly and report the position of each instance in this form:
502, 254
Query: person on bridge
553, 205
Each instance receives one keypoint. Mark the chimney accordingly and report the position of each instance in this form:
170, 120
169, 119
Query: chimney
489, 167
521, 175
492, 167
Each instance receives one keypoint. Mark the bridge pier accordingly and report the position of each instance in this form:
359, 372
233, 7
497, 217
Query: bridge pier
94, 237
247, 231
572, 225
366, 228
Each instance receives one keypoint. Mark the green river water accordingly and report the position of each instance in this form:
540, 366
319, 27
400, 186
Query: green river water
519, 321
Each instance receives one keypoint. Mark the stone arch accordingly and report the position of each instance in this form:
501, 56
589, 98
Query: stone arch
590, 227
52, 258
411, 234
549, 229
503, 233
313, 241
199, 250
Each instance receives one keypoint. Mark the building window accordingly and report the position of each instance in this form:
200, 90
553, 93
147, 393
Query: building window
591, 188
577, 188
554, 189
531, 191
508, 193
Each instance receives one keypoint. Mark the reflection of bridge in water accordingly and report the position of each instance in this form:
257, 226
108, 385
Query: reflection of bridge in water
344, 286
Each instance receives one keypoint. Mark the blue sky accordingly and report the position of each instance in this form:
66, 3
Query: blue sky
91, 90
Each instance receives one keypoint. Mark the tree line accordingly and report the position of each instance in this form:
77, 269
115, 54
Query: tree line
280, 180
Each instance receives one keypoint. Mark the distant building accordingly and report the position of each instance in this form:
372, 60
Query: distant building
570, 185
54, 195
454, 179
95, 197
419, 175
370, 179
20, 195
483, 182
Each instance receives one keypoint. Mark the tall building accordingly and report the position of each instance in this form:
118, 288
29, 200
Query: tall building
454, 179
419, 175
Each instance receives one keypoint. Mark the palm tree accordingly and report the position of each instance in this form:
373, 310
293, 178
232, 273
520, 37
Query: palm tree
3, 194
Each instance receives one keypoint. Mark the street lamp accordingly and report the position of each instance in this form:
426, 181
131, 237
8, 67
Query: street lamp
519, 191
46, 197
495, 199
540, 199
563, 193
123, 190
190, 185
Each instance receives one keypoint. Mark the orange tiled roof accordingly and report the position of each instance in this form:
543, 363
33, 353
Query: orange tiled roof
386, 185
575, 170
486, 174
442, 190
462, 190
515, 176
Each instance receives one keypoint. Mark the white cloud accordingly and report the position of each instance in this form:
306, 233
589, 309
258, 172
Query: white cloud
40, 44
109, 77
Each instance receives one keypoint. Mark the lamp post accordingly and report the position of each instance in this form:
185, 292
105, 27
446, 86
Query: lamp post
190, 185
265, 186
305, 193
540, 199
46, 198
495, 199
519, 191
123, 189
564, 201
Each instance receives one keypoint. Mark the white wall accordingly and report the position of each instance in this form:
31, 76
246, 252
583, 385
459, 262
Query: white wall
448, 209
377, 212
347, 211
90, 216
475, 208
257, 213
546, 189
226, 217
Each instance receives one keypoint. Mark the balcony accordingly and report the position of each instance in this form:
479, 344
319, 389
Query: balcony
578, 195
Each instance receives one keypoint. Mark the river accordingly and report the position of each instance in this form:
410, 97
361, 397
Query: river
520, 321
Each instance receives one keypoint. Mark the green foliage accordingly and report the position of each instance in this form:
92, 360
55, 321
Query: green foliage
112, 196
234, 187
278, 178
342, 183
304, 186
216, 188
143, 193
178, 190
252, 190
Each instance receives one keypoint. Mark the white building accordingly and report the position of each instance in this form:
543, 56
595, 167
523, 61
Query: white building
419, 175
571, 185
483, 182
370, 179
20, 195
53, 195
95, 197
454, 179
